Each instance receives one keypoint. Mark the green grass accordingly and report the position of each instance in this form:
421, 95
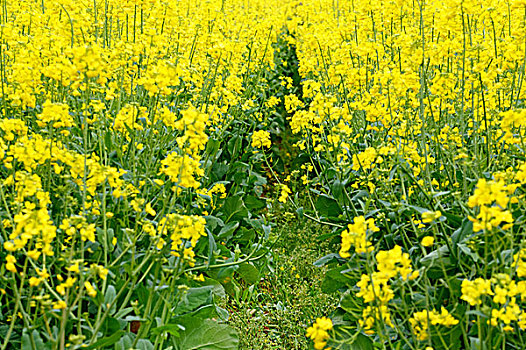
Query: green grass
289, 298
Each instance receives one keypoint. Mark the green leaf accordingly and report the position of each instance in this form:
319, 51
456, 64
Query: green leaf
171, 328
125, 343
223, 314
228, 230
327, 206
234, 209
144, 344
464, 249
193, 299
362, 342
453, 219
440, 255
474, 343
211, 247
111, 325
248, 273
39, 343
256, 179
106, 341
334, 280
225, 273
212, 222
260, 226
109, 297
107, 140
463, 232
232, 289
217, 289
327, 259
346, 341
352, 304
452, 337
300, 212
254, 203
419, 210
212, 146
437, 261
234, 145
338, 190
206, 335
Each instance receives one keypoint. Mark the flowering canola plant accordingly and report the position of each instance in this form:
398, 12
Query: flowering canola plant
411, 116
139, 140
108, 182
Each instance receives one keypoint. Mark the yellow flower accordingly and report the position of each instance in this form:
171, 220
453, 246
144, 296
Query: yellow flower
318, 332
356, 235
261, 138
59, 305
182, 170
10, 263
150, 210
430, 216
472, 291
420, 321
34, 281
74, 268
428, 241
285, 191
90, 289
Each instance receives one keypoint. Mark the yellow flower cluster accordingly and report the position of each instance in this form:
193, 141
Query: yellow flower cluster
284, 193
356, 235
56, 114
421, 320
375, 289
519, 263
127, 119
492, 198
430, 216
318, 332
182, 170
260, 139
194, 138
183, 232
185, 169
506, 295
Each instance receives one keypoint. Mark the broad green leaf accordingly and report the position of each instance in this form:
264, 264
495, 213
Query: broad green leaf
225, 273
346, 341
37, 339
109, 297
125, 343
334, 280
172, 328
327, 206
111, 325
206, 335
228, 230
254, 203
234, 209
327, 259
193, 299
248, 273
106, 341
463, 232
337, 189
144, 344
212, 146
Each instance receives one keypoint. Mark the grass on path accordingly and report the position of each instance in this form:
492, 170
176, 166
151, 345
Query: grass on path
289, 298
